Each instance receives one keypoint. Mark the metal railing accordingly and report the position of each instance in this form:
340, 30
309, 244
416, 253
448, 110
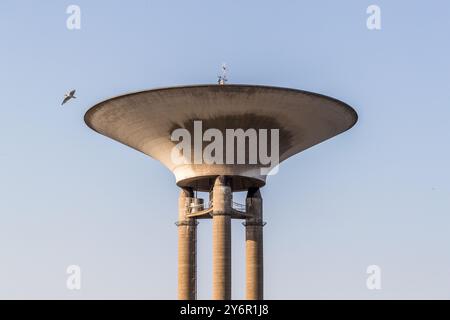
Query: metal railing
238, 206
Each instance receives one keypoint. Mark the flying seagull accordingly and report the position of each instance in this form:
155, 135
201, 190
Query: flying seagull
68, 96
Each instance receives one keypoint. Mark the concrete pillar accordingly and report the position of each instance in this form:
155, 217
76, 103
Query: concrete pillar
254, 246
187, 247
221, 224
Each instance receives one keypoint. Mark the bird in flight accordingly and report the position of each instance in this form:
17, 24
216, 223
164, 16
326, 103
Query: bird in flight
68, 96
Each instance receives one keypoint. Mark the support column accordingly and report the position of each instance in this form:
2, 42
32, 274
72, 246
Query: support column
187, 247
221, 225
254, 246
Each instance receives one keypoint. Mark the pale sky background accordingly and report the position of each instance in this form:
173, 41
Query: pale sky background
377, 194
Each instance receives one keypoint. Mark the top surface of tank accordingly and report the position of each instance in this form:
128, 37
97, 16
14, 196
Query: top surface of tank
146, 120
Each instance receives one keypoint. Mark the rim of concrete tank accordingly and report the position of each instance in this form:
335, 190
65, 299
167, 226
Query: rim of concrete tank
345, 106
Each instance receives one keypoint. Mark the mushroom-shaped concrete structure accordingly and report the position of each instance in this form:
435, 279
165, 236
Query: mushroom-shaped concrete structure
147, 120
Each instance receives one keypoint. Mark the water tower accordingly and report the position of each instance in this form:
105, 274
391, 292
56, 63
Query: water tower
146, 122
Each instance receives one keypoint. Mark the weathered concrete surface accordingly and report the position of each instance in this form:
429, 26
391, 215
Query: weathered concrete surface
221, 225
187, 248
145, 121
254, 246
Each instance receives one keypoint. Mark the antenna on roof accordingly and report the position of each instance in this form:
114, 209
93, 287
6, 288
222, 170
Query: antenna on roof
223, 77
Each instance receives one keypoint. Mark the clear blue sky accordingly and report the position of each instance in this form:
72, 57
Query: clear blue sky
378, 194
